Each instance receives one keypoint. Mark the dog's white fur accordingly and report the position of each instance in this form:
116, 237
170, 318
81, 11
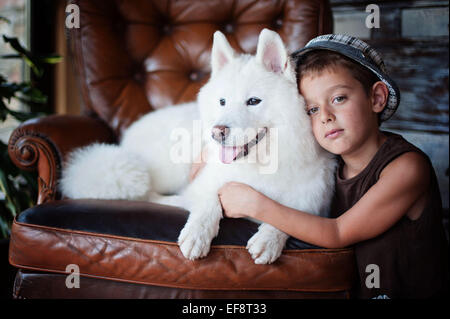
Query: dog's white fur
141, 167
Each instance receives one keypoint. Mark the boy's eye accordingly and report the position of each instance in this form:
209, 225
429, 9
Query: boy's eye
312, 110
222, 102
339, 99
253, 101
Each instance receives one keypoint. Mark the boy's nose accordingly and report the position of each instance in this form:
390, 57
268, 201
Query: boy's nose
326, 115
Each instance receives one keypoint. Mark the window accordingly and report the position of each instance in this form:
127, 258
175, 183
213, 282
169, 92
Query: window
15, 24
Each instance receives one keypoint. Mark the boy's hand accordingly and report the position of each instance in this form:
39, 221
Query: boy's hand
240, 200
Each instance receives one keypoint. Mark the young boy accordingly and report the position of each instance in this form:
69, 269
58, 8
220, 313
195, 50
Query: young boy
387, 203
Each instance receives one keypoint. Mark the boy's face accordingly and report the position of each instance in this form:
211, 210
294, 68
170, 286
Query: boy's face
343, 117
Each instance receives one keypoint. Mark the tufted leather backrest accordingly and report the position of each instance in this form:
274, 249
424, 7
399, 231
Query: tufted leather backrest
133, 56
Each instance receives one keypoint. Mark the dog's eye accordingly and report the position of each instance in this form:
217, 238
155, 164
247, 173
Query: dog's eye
253, 101
222, 102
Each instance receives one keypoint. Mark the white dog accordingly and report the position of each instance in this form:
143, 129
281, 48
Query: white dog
256, 130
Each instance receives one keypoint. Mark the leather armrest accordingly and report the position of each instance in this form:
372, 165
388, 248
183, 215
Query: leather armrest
136, 242
136, 219
42, 144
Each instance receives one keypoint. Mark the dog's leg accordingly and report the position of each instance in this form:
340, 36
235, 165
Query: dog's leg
202, 226
267, 244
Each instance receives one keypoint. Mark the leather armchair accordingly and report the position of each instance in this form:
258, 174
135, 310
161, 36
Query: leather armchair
132, 57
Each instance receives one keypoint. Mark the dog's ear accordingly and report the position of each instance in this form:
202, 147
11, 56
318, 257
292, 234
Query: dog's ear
271, 52
222, 52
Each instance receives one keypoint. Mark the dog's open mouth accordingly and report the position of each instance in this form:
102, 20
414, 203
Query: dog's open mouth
229, 154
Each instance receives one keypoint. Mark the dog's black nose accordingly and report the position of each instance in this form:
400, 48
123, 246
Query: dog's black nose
220, 132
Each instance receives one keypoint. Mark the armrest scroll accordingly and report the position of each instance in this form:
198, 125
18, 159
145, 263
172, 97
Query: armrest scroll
42, 144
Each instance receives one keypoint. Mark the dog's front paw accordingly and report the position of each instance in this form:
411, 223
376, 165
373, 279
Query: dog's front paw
266, 246
194, 241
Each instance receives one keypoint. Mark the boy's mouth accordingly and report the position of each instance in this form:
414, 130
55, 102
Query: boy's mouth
228, 154
333, 133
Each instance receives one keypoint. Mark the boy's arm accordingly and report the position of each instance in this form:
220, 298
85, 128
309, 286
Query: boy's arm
401, 184
400, 188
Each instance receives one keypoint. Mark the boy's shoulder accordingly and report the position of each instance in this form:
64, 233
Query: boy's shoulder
412, 167
398, 145
410, 162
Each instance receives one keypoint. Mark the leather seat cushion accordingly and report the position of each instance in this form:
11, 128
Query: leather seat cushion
136, 242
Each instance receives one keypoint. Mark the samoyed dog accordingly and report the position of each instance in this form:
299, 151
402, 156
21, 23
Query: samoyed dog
251, 120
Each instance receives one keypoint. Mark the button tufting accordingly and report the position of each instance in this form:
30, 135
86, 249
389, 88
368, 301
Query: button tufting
138, 73
197, 75
139, 77
167, 29
194, 76
278, 23
229, 28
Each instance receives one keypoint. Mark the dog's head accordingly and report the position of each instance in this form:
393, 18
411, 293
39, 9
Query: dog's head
270, 53
249, 96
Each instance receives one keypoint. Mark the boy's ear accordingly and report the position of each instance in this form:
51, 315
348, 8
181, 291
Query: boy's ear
221, 54
380, 94
271, 52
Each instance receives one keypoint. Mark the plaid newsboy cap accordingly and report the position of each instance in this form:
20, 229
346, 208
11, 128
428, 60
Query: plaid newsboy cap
360, 52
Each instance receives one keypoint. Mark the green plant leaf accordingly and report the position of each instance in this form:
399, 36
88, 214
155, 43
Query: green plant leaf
50, 59
8, 90
5, 188
31, 94
20, 188
4, 225
24, 93
4, 19
5, 161
11, 56
3, 111
24, 116
27, 56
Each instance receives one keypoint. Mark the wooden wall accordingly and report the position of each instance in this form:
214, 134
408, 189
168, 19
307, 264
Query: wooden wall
413, 39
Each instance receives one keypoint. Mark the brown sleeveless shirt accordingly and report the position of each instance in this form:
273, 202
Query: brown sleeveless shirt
412, 256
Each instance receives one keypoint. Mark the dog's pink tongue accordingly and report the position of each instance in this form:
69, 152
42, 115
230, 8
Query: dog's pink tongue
228, 154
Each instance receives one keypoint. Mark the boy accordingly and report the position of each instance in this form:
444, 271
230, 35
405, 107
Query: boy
387, 203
